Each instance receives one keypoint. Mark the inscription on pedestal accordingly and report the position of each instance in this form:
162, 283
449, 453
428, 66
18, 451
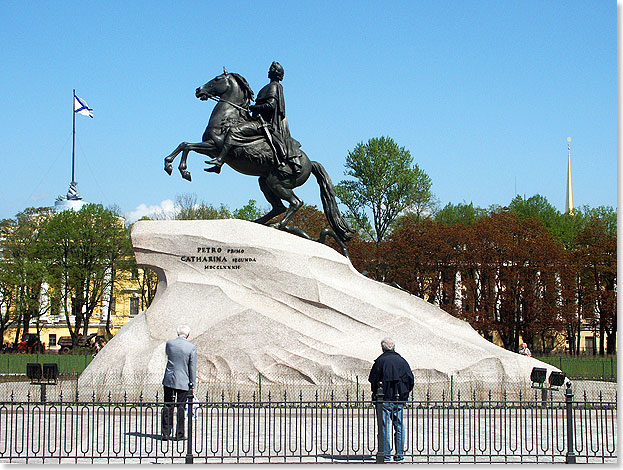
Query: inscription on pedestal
219, 257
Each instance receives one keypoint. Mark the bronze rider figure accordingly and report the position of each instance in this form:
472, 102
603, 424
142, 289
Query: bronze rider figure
269, 120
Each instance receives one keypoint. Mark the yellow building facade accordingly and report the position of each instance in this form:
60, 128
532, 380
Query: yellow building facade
127, 302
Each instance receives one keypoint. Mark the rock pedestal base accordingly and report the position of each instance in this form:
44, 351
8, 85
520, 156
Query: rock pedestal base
268, 306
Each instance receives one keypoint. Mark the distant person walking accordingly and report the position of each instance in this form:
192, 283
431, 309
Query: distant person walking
395, 373
524, 351
179, 380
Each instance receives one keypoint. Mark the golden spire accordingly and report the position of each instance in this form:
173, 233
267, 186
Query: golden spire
569, 202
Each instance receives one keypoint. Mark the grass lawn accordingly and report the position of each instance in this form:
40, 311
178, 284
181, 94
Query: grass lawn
67, 363
584, 367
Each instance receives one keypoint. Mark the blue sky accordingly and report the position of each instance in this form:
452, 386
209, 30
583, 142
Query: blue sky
483, 94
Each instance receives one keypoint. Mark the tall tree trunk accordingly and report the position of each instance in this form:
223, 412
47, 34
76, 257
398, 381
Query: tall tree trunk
110, 301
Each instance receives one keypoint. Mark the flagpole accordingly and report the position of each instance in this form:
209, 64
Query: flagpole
73, 147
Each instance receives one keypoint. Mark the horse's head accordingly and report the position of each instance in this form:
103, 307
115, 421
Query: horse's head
231, 86
218, 86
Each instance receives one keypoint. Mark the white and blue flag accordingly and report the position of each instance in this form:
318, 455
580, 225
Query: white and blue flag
81, 107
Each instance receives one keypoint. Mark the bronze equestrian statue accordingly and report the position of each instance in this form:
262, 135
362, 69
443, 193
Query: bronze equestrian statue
255, 140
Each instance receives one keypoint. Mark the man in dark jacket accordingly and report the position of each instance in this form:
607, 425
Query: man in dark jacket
394, 372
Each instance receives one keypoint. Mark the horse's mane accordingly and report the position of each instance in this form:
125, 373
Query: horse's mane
246, 88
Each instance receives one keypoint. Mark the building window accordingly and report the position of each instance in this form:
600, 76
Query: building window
589, 344
133, 306
52, 340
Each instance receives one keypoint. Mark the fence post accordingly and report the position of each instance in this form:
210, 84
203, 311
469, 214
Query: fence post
189, 434
380, 451
570, 424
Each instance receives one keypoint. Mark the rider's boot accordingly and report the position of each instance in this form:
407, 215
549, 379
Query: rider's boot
218, 161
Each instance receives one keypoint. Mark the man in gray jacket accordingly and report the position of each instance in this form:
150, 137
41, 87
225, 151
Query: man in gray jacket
179, 380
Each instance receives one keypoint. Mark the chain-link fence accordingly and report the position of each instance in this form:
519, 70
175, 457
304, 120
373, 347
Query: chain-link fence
70, 388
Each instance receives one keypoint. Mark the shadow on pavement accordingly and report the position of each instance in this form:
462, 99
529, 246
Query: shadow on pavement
140, 434
340, 457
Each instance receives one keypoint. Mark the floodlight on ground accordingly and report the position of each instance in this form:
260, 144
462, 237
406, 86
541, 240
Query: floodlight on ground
538, 375
557, 379
50, 371
34, 371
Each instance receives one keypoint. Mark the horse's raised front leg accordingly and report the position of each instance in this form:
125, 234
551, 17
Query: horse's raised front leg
204, 148
168, 167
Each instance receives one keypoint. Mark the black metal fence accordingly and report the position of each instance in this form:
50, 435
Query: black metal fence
290, 430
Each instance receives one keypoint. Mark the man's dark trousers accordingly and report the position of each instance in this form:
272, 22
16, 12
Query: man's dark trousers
167, 411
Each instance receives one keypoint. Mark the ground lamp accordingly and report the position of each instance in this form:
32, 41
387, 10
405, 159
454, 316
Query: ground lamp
42, 374
34, 372
538, 376
556, 379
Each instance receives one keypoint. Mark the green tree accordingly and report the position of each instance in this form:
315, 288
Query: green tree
386, 183
250, 211
8, 293
461, 213
535, 206
23, 271
81, 251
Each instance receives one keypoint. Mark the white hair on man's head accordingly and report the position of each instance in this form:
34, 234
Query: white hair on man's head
183, 330
387, 344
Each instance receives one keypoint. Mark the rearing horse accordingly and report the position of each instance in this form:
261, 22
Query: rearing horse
256, 159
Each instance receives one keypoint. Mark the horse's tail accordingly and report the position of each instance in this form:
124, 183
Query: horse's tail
337, 222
